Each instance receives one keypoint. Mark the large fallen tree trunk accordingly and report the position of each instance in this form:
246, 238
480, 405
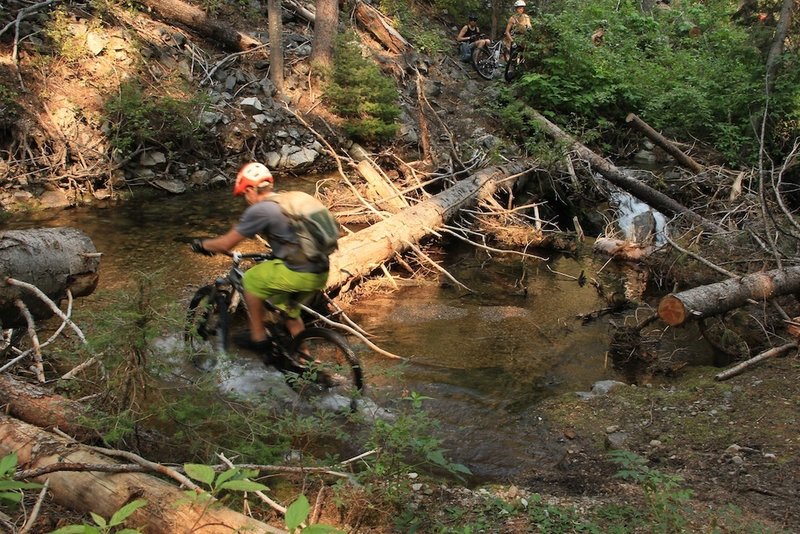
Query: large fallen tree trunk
621, 179
197, 19
167, 510
43, 408
366, 250
713, 299
374, 21
52, 259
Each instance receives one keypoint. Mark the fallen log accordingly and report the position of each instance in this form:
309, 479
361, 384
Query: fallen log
738, 369
621, 249
375, 22
382, 191
664, 143
42, 408
713, 299
620, 178
362, 252
167, 509
197, 19
54, 260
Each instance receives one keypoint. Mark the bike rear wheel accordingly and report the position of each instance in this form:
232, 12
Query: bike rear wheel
207, 323
483, 61
323, 358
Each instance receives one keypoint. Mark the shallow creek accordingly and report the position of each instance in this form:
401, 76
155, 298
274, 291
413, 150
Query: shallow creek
484, 358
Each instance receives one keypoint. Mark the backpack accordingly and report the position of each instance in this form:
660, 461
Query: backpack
317, 231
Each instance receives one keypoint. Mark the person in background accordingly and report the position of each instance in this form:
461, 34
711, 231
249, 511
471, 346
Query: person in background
469, 38
518, 24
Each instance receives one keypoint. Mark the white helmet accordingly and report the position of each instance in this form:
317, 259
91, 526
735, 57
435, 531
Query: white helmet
519, 3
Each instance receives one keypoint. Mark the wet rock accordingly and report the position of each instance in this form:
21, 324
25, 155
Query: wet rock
173, 186
218, 180
230, 83
150, 159
54, 199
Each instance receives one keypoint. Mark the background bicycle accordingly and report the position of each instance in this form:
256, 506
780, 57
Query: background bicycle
486, 60
317, 359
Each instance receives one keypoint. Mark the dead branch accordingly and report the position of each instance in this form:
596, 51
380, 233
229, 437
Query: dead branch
44, 298
37, 350
737, 369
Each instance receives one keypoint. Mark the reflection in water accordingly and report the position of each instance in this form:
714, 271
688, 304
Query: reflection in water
485, 359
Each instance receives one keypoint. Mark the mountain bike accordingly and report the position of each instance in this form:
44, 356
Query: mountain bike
515, 64
317, 359
486, 60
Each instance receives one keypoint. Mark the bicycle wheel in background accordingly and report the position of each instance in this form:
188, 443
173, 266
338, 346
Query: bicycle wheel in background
483, 62
324, 358
207, 325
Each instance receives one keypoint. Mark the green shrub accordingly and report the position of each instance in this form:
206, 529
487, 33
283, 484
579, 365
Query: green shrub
690, 72
9, 109
137, 119
361, 94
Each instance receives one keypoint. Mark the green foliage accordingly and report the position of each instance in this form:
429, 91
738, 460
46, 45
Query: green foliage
10, 489
102, 526
690, 71
137, 119
408, 438
9, 109
664, 496
68, 45
359, 93
234, 479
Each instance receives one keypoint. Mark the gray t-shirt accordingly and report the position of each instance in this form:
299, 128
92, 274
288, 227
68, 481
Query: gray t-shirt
267, 219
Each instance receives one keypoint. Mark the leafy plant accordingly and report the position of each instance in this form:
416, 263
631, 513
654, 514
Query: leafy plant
664, 496
137, 119
359, 93
10, 489
102, 526
296, 515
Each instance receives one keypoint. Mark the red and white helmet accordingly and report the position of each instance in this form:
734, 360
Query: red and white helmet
251, 175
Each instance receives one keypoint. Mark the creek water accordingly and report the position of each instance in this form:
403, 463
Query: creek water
485, 358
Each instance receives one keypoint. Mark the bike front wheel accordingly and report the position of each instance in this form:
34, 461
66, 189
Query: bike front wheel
207, 323
324, 358
483, 61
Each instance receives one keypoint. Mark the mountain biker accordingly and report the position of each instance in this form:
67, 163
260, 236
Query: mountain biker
469, 38
518, 23
287, 280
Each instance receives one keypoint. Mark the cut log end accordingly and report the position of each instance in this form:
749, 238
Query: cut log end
672, 311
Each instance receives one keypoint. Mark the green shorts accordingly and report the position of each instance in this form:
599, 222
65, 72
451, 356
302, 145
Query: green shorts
284, 288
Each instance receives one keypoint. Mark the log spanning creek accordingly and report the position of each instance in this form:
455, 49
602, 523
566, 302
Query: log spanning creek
485, 359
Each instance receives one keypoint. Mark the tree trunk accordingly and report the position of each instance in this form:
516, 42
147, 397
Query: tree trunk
713, 299
366, 250
621, 179
196, 19
664, 143
776, 49
374, 21
42, 408
325, 25
275, 45
54, 260
167, 509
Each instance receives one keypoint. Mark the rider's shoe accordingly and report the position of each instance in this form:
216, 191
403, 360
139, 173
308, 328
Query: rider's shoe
243, 340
